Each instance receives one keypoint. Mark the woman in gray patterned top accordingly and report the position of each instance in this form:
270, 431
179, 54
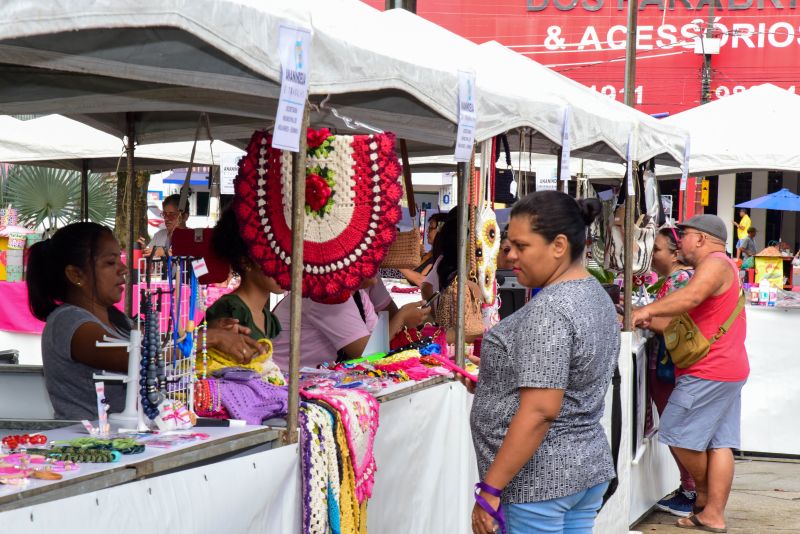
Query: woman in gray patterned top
544, 374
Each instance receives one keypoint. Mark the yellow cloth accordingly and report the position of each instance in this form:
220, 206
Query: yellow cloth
352, 516
744, 225
219, 360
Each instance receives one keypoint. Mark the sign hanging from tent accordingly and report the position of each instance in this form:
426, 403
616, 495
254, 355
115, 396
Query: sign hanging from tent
294, 47
565, 172
467, 116
229, 166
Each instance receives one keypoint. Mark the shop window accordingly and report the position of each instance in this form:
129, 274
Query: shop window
773, 230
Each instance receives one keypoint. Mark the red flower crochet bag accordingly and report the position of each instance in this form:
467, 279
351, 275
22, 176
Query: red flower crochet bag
352, 209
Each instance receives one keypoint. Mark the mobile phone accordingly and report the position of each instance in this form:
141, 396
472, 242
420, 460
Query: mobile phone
430, 300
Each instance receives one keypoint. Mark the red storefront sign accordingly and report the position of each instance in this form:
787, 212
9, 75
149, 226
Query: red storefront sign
585, 40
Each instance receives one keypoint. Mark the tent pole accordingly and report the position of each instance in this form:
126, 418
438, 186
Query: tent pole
85, 190
130, 132
296, 295
463, 177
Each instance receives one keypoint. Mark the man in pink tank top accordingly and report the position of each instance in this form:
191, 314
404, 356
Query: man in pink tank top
701, 420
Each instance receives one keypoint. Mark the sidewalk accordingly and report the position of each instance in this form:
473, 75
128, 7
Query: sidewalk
765, 500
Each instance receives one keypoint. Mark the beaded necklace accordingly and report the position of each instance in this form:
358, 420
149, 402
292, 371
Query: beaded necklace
152, 384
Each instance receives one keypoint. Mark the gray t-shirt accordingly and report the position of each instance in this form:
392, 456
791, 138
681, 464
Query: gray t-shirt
160, 239
748, 247
566, 338
69, 383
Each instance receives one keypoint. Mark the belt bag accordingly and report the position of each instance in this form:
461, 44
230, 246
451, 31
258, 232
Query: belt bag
685, 342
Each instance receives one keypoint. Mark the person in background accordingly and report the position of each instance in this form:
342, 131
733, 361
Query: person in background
173, 218
74, 281
544, 374
249, 302
701, 422
505, 248
747, 246
669, 265
742, 227
417, 275
341, 331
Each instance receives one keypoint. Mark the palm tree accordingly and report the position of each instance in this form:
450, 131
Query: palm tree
51, 197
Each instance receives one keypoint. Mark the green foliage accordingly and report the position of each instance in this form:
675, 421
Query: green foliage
51, 197
603, 276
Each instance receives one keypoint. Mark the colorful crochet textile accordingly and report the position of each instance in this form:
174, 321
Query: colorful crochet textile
352, 209
320, 468
359, 414
246, 396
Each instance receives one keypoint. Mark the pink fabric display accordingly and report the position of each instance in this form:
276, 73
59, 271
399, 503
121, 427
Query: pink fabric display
359, 414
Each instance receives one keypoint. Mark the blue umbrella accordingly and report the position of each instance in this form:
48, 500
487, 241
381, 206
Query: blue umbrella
783, 200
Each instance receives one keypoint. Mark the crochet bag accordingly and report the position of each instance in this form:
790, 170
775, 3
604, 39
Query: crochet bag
487, 235
503, 177
447, 310
352, 209
404, 253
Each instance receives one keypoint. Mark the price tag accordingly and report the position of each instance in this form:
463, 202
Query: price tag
294, 47
467, 116
565, 173
685, 169
199, 267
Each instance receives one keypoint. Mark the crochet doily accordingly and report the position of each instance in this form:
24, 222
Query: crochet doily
351, 211
359, 414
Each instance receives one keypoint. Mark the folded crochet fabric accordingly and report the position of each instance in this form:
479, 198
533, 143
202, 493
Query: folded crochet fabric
247, 397
359, 412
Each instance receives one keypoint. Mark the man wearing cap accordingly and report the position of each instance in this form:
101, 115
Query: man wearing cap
701, 420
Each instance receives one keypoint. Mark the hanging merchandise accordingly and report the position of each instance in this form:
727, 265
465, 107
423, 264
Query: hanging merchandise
644, 230
404, 253
504, 177
487, 234
351, 212
152, 381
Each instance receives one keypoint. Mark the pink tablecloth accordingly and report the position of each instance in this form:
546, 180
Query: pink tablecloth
15, 315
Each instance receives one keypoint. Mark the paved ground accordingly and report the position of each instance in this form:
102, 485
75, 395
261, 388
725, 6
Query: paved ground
765, 500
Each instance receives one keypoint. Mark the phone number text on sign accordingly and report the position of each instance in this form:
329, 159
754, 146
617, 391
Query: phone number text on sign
618, 92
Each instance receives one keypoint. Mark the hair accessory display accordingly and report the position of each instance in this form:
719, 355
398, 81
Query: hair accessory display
352, 209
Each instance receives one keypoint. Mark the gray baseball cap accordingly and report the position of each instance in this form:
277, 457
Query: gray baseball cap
708, 224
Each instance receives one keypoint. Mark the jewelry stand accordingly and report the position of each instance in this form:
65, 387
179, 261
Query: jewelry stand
131, 417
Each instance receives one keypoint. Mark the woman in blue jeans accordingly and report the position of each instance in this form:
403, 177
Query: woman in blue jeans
544, 374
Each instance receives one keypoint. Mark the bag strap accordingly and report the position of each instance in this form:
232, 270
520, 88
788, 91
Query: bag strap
201, 121
407, 184
616, 432
503, 138
727, 324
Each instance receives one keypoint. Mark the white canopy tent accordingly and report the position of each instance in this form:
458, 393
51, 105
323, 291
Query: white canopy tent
752, 130
57, 141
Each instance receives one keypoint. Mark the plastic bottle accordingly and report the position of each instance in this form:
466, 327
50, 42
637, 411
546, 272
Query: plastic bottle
754, 295
763, 292
773, 296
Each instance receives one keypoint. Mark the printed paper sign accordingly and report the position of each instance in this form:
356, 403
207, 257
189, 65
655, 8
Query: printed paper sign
229, 168
546, 179
565, 173
294, 47
685, 169
631, 188
467, 116
199, 267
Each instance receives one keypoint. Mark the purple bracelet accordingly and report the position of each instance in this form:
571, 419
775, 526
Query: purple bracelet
497, 515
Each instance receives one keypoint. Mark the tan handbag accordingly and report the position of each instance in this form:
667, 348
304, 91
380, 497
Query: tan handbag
685, 342
446, 312
404, 252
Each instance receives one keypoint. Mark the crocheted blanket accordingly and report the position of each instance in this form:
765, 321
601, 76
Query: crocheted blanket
358, 411
320, 467
352, 208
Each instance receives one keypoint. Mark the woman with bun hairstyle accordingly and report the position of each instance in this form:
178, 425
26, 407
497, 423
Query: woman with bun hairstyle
74, 281
545, 369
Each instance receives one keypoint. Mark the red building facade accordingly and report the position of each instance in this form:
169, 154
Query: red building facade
759, 42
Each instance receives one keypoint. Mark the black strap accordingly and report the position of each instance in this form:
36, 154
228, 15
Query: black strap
616, 432
421, 266
503, 139
341, 356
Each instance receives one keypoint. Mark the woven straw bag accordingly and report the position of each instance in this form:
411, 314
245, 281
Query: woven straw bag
404, 252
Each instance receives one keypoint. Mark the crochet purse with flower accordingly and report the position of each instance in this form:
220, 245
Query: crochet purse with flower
351, 211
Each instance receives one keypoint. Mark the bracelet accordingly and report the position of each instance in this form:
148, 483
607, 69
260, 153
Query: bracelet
497, 515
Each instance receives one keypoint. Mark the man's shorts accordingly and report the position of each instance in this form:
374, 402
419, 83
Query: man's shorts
702, 414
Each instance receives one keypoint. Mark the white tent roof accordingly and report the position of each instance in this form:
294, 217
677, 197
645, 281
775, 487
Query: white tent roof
216, 56
56, 141
752, 130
